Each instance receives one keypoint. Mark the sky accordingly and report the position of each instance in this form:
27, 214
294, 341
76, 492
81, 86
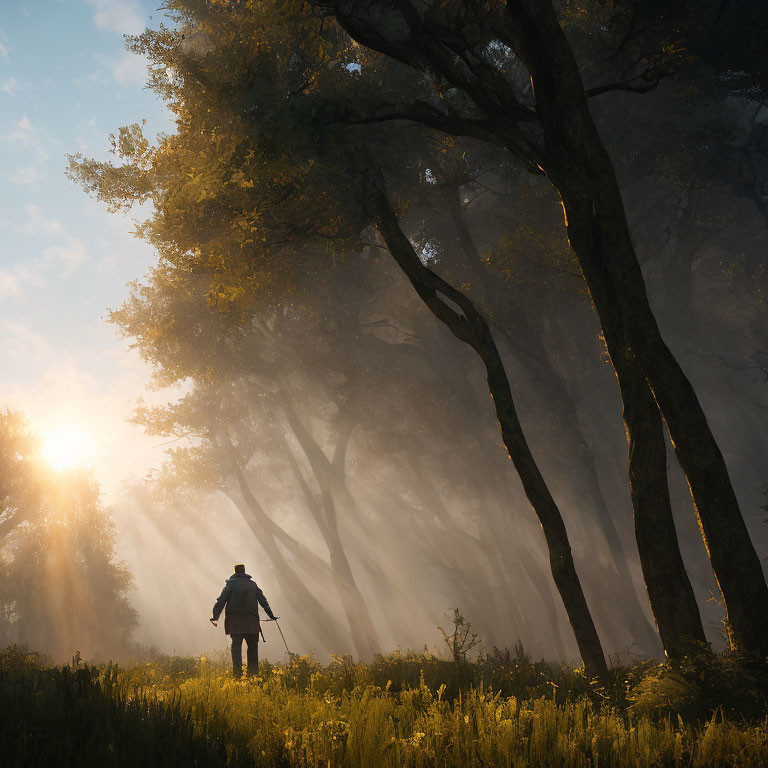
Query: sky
66, 83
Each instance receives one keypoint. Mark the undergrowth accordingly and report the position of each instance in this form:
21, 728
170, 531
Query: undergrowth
404, 709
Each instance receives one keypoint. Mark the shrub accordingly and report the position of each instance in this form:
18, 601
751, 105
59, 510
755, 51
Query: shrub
700, 686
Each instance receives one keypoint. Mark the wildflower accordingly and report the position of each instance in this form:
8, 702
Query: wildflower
416, 738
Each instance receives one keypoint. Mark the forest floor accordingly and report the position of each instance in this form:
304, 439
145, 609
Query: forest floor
402, 710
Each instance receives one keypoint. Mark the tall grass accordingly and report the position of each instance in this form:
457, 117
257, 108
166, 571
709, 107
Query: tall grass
191, 712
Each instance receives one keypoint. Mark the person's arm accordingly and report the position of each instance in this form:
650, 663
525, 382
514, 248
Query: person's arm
265, 605
218, 606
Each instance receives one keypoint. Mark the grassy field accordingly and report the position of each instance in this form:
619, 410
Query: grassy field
402, 710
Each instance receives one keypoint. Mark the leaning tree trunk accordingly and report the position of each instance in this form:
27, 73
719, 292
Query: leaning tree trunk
298, 595
525, 349
531, 567
670, 593
396, 597
669, 589
364, 634
268, 533
578, 165
466, 323
462, 389
316, 626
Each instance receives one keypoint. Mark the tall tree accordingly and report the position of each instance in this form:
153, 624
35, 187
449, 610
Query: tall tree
530, 351
468, 46
261, 179
62, 589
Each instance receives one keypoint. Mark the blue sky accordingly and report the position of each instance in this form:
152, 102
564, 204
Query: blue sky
66, 83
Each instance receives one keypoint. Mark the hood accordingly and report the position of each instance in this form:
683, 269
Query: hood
238, 576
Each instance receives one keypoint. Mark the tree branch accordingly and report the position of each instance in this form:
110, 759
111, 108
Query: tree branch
627, 85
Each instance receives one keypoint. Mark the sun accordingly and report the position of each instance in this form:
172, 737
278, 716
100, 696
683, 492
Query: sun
67, 447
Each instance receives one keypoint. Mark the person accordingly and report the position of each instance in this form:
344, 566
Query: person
242, 597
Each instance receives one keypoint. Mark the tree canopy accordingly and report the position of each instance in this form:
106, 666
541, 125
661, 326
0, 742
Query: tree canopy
314, 136
61, 587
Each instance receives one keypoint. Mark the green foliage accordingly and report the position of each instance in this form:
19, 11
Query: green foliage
303, 714
252, 180
60, 584
258, 187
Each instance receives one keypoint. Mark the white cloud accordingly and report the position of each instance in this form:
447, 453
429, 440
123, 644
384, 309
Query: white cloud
89, 80
15, 280
70, 255
32, 224
25, 175
65, 254
37, 221
11, 86
89, 135
130, 71
124, 16
23, 344
24, 134
21, 130
58, 261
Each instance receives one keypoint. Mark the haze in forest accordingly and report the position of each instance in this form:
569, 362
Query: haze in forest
352, 274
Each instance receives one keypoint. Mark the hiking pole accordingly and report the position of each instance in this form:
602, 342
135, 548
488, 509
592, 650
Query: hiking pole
287, 650
283, 636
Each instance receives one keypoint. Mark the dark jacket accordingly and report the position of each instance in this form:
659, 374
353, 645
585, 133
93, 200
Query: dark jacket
242, 597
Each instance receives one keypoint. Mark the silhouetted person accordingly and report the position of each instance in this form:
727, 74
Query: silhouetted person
242, 597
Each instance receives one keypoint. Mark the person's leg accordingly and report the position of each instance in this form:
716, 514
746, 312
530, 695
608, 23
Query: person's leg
237, 655
253, 654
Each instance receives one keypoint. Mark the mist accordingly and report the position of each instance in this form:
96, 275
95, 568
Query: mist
335, 436
360, 426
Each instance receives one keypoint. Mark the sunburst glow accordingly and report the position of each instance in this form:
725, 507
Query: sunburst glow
67, 447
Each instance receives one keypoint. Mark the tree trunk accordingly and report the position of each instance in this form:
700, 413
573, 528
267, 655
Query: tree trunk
395, 598
464, 393
578, 165
9, 524
456, 311
363, 632
526, 350
301, 599
669, 589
